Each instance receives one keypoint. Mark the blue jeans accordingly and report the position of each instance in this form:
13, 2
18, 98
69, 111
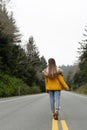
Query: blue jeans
54, 96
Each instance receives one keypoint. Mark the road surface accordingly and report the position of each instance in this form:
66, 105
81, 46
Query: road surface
33, 113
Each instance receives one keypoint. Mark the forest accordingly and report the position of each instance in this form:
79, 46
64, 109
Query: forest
21, 68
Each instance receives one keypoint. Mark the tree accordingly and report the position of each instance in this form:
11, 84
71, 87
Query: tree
25, 64
9, 35
33, 60
80, 76
32, 52
41, 77
83, 58
35, 63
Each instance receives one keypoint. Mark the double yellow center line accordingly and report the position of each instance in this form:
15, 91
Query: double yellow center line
56, 122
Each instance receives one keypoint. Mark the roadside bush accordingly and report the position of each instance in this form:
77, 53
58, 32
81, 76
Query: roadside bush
35, 90
82, 89
12, 86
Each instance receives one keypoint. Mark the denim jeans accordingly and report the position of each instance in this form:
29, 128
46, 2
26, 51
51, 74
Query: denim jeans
54, 99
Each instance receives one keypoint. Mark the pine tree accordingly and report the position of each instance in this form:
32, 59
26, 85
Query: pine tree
9, 35
83, 58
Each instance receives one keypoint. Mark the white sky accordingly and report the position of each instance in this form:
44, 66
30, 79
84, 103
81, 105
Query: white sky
56, 25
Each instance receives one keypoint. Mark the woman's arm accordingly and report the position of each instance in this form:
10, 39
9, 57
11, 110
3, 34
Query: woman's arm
62, 81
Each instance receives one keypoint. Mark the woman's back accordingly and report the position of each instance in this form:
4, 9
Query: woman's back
56, 83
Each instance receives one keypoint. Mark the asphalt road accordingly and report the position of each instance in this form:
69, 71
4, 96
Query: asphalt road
33, 113
74, 111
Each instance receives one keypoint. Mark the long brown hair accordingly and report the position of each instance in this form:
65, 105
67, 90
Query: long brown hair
52, 68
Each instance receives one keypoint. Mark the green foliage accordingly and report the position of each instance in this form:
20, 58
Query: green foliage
9, 35
83, 59
20, 66
35, 89
78, 77
12, 86
35, 63
82, 89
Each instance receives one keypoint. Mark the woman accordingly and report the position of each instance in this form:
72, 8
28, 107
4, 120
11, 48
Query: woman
54, 83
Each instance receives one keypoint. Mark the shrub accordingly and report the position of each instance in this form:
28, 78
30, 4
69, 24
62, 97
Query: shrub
12, 86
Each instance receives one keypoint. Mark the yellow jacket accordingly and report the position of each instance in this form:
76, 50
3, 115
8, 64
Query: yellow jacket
56, 83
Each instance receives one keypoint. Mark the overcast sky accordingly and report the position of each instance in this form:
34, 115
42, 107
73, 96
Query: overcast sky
56, 25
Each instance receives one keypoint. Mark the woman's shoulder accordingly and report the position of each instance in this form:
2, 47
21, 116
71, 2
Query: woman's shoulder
59, 70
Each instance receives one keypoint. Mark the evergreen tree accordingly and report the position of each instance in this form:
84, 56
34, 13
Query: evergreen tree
35, 63
9, 35
33, 60
83, 58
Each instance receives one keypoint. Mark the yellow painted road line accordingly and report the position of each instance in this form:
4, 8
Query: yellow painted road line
54, 124
64, 125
